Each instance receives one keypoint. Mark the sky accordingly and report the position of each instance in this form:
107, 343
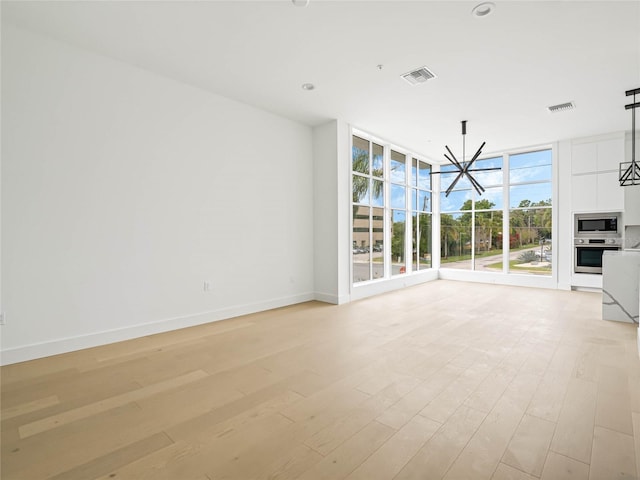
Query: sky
529, 177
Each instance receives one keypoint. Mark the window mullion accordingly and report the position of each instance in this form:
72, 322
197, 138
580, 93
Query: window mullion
387, 211
473, 232
408, 224
436, 244
371, 193
506, 215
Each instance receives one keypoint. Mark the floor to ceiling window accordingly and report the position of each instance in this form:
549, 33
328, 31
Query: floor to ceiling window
518, 193
368, 209
471, 224
507, 228
530, 212
391, 211
421, 235
398, 204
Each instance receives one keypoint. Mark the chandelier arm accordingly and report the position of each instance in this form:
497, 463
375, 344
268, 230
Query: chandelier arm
455, 160
474, 182
453, 184
478, 191
471, 170
478, 153
485, 169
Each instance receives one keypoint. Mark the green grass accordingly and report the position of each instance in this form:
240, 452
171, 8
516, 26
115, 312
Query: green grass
381, 259
515, 266
484, 253
455, 258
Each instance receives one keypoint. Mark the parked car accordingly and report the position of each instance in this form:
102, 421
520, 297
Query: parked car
546, 256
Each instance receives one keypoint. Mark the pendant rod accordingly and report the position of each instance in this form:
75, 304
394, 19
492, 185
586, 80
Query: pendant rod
464, 134
633, 130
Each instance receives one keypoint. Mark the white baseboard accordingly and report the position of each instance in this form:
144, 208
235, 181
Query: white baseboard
376, 287
65, 345
331, 298
513, 279
327, 298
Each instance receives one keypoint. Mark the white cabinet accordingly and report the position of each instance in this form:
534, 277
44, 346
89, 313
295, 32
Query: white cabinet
597, 156
584, 189
632, 205
596, 192
610, 154
594, 179
584, 158
610, 195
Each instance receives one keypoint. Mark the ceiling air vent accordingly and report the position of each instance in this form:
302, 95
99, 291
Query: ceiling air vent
420, 75
561, 107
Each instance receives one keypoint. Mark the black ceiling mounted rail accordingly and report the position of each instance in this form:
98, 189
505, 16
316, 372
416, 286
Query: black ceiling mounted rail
464, 167
630, 171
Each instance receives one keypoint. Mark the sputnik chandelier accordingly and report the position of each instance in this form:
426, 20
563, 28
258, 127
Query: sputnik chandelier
464, 167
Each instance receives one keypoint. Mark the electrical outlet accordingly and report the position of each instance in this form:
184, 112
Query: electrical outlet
2, 318
207, 286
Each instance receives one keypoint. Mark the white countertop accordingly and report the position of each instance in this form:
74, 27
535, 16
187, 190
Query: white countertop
620, 285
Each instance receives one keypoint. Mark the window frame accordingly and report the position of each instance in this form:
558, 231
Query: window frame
406, 183
506, 207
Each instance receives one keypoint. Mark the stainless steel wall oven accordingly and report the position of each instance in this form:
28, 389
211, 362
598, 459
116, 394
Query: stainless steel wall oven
588, 253
594, 234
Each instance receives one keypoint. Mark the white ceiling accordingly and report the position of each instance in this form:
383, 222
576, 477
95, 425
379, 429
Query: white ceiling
498, 72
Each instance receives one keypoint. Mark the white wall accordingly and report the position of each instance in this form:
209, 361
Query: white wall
332, 197
123, 191
325, 212
564, 216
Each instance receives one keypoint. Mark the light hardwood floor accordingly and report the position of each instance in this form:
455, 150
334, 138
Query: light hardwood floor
445, 380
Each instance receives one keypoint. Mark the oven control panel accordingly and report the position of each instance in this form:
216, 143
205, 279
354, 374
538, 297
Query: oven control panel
598, 241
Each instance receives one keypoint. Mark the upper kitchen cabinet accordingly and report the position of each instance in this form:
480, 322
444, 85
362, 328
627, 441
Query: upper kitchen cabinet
584, 158
610, 193
597, 154
610, 154
594, 169
584, 193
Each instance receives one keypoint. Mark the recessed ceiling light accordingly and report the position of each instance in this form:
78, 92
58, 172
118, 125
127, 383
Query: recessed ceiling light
308, 86
300, 3
483, 9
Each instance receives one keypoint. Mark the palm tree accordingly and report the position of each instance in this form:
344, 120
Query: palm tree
449, 232
360, 164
